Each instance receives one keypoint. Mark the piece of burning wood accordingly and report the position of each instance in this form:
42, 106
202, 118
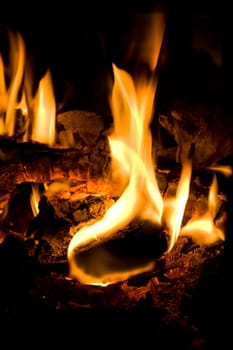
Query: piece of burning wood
201, 131
88, 157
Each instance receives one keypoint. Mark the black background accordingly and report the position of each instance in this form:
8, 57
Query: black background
79, 41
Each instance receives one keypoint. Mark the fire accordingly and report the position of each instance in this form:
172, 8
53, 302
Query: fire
132, 104
41, 120
131, 147
202, 227
35, 198
174, 207
10, 95
44, 108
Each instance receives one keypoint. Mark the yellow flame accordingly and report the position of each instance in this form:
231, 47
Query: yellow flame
132, 104
131, 146
44, 112
35, 198
174, 207
203, 229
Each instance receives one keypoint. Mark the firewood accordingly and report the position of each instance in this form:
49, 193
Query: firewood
86, 157
198, 130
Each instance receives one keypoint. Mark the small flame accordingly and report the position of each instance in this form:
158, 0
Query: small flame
174, 207
202, 228
44, 112
35, 198
226, 170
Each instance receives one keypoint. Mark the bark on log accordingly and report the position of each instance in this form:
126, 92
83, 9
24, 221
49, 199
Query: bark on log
81, 153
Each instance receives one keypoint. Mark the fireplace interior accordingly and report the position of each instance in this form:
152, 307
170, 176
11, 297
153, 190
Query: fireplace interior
184, 300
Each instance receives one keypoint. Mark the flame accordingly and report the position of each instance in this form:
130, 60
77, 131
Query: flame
35, 198
132, 104
44, 112
3, 90
141, 197
226, 170
40, 111
174, 207
9, 96
202, 227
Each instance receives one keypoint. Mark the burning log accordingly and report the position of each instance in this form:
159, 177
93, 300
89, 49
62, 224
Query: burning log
86, 158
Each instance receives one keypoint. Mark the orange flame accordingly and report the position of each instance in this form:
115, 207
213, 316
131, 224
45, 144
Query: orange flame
35, 198
131, 146
202, 227
10, 96
132, 104
20, 81
3, 90
226, 170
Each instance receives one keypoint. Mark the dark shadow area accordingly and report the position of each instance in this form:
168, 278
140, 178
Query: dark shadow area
79, 42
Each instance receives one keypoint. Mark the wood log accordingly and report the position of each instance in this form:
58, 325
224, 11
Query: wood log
81, 153
200, 131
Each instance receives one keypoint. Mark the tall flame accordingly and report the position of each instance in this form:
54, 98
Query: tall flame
3, 90
43, 113
9, 96
132, 106
131, 146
